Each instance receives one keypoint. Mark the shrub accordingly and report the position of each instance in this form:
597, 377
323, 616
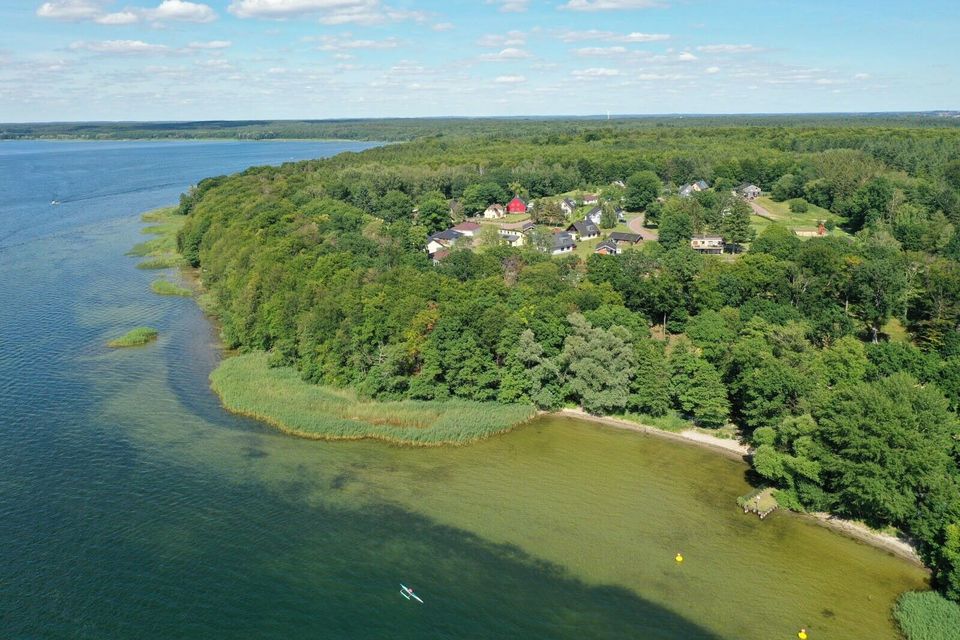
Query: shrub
798, 205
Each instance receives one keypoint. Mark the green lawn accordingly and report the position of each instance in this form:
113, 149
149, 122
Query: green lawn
809, 219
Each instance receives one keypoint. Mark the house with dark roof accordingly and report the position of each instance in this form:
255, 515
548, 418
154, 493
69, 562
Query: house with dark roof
562, 243
595, 214
621, 214
568, 206
624, 239
442, 240
584, 230
607, 247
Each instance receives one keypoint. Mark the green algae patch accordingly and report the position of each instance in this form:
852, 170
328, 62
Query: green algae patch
247, 385
135, 338
167, 288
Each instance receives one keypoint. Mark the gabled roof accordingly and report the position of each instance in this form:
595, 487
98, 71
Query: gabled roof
621, 236
518, 199
702, 184
446, 234
585, 228
563, 239
597, 210
440, 254
466, 226
569, 202
607, 244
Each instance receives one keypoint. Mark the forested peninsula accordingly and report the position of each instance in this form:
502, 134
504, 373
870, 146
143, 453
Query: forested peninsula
833, 352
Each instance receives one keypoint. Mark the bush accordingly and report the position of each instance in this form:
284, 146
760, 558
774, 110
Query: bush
798, 205
927, 615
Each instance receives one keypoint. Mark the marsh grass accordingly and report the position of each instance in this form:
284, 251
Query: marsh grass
161, 251
135, 338
278, 396
167, 288
927, 615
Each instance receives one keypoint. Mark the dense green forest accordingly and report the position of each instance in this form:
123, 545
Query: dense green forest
837, 357
396, 129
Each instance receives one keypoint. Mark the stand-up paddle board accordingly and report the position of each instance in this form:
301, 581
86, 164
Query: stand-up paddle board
408, 593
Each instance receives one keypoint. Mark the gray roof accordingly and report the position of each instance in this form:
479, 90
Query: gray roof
563, 239
595, 211
608, 244
446, 234
703, 184
585, 228
620, 236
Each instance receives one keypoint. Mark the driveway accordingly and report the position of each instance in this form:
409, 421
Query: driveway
636, 226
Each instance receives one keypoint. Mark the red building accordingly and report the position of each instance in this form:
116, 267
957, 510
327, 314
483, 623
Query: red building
517, 205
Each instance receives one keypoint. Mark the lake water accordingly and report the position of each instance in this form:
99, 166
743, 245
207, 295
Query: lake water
133, 506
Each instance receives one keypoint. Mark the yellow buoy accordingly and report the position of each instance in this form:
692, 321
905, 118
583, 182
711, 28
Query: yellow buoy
679, 558
802, 634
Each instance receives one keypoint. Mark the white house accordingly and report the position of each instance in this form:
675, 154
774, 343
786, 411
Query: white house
749, 191
494, 211
707, 244
568, 206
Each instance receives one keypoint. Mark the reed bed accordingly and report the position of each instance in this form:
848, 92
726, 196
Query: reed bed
278, 396
167, 288
135, 338
927, 615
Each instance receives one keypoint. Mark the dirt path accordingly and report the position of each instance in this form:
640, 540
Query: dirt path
762, 212
636, 226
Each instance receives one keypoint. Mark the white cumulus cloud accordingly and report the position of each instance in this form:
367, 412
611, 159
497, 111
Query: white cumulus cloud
119, 47
180, 10
728, 48
600, 51
71, 9
609, 5
595, 72
510, 53
95, 10
510, 6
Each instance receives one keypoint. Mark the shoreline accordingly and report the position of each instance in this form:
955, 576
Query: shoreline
730, 448
860, 532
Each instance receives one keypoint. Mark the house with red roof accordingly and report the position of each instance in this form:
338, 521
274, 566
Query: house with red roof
517, 205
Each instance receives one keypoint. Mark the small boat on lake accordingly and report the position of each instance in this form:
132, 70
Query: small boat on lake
54, 202
408, 593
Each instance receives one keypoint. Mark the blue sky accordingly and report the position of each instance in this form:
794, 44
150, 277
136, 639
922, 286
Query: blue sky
239, 59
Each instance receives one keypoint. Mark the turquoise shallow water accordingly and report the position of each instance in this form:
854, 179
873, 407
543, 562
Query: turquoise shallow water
132, 506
